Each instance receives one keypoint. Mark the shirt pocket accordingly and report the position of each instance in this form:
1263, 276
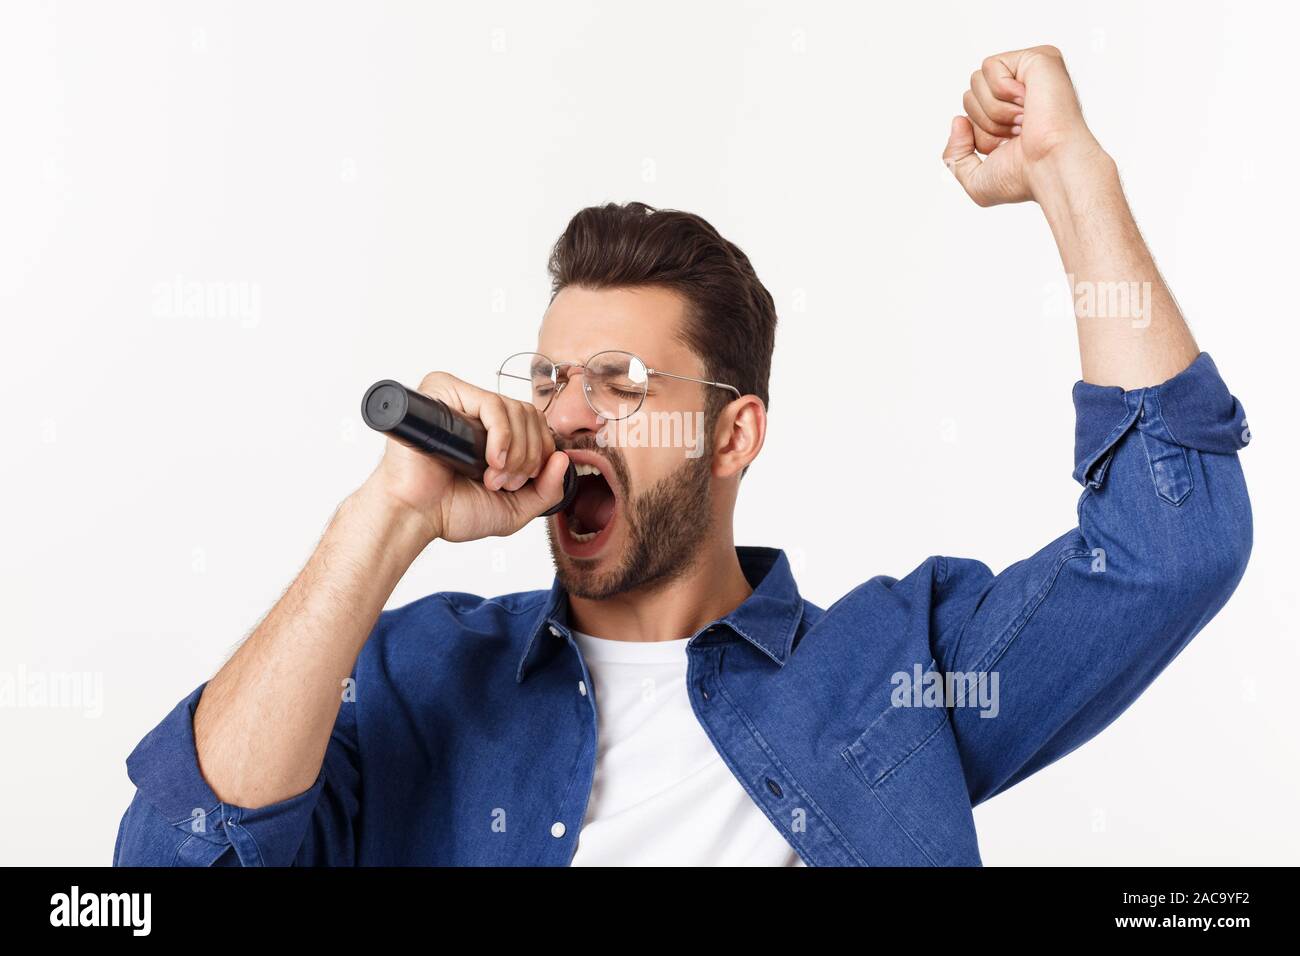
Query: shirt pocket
907, 760
895, 736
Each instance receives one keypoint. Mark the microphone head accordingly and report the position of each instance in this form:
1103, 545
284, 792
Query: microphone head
384, 405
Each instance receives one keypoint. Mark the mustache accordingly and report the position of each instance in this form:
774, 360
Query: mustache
577, 442
587, 443
611, 454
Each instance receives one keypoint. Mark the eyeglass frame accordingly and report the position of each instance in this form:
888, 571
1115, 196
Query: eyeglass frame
586, 389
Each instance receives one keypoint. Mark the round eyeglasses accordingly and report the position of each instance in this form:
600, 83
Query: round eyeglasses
614, 382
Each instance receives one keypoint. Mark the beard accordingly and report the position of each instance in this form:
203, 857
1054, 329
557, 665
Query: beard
665, 527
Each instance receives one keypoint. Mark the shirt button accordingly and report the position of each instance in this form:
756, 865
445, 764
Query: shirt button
582, 688
557, 829
555, 631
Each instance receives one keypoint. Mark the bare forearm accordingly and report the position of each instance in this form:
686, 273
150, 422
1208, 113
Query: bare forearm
264, 721
1131, 333
1023, 116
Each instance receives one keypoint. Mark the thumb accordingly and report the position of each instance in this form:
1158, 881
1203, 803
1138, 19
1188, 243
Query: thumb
544, 491
959, 154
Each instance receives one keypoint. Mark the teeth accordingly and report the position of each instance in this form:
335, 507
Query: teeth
582, 537
582, 469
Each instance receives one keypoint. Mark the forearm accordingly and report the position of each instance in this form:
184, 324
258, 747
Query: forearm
1131, 333
264, 721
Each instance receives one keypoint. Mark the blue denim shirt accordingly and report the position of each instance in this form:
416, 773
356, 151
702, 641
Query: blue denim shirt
472, 736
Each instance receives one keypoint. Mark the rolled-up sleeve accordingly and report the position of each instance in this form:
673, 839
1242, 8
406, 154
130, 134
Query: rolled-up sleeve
1070, 636
175, 819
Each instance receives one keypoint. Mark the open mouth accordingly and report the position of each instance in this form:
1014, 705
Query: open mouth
585, 524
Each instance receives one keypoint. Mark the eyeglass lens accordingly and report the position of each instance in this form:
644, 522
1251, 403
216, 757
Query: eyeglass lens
614, 382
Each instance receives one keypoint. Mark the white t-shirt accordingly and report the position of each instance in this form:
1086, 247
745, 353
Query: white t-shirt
662, 795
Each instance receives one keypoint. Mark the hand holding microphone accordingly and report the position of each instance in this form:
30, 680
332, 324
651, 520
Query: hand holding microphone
473, 462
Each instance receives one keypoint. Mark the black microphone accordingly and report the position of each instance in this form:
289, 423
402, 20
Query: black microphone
432, 427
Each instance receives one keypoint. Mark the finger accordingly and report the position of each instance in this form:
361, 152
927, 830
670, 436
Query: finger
507, 455
532, 442
959, 154
545, 491
492, 413
984, 142
983, 125
1002, 114
543, 444
530, 447
517, 453
1000, 74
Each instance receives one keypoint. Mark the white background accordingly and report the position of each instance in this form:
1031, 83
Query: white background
388, 179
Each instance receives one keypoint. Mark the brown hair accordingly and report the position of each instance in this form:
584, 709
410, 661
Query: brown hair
731, 318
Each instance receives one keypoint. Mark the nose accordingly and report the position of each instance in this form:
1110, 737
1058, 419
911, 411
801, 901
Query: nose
569, 414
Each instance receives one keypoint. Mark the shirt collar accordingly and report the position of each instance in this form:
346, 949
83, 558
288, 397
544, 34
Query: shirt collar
768, 618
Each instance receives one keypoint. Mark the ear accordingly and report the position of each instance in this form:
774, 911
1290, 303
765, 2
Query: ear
738, 436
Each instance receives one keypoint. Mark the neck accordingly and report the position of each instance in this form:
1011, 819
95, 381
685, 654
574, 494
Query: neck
714, 585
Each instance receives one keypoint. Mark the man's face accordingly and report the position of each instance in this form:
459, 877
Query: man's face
640, 522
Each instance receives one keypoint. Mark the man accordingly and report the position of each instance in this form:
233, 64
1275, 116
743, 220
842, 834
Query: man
672, 699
